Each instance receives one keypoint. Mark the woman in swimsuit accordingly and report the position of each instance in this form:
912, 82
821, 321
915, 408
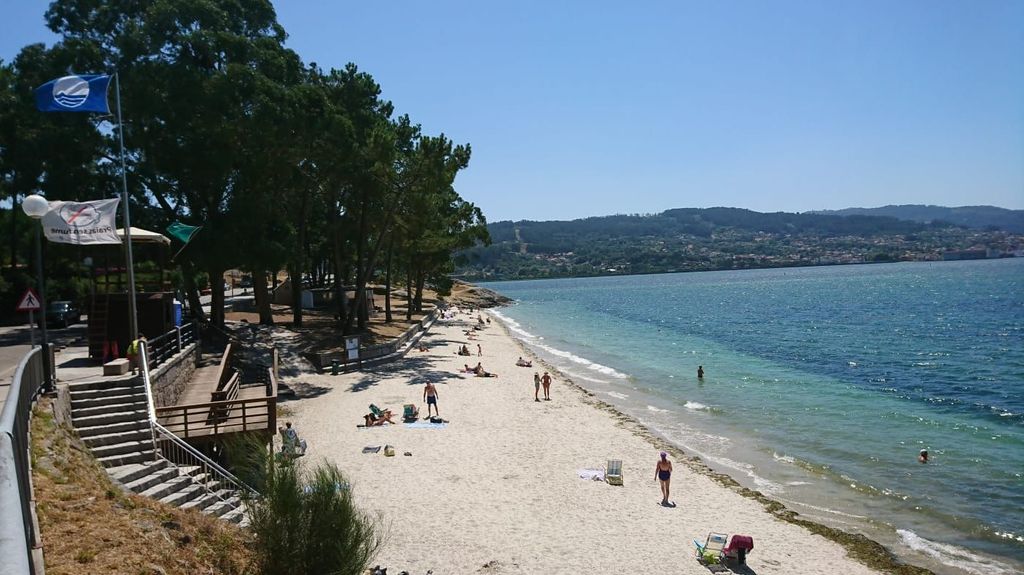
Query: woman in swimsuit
663, 472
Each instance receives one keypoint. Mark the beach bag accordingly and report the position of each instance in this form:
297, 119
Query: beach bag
389, 451
436, 419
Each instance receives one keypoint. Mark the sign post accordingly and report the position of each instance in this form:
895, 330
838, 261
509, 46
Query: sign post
30, 302
352, 348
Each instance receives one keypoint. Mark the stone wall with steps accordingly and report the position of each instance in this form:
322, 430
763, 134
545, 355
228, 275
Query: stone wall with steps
111, 418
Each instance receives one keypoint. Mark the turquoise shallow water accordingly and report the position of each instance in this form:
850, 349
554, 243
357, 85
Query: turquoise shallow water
821, 386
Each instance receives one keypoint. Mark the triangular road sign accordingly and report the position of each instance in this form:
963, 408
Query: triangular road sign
29, 301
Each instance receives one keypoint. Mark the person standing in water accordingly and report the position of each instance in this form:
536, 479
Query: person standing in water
700, 372
663, 473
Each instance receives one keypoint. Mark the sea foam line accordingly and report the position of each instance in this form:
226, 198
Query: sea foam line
953, 555
534, 340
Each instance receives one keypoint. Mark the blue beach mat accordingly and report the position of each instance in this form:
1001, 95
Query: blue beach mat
426, 425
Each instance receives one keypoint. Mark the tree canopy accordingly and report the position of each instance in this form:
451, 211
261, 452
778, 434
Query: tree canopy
285, 165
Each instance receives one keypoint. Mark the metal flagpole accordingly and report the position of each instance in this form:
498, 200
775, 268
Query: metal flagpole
133, 325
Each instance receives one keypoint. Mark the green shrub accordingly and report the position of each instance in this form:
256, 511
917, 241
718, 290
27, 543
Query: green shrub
307, 522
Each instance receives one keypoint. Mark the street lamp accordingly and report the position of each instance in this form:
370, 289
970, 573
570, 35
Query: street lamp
35, 207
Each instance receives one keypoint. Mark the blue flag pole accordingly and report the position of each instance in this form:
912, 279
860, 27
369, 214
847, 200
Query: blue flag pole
133, 321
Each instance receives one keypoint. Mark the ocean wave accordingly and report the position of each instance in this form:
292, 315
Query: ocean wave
697, 406
826, 510
953, 555
602, 369
513, 325
783, 458
617, 395
763, 484
578, 375
658, 409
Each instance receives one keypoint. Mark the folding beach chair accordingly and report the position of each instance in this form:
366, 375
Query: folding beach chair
613, 472
710, 553
738, 548
410, 412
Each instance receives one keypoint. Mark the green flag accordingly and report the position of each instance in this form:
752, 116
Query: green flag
183, 233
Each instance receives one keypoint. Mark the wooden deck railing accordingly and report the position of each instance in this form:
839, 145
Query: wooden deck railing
219, 417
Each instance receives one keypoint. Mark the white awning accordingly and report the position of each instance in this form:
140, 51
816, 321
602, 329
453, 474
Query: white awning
140, 235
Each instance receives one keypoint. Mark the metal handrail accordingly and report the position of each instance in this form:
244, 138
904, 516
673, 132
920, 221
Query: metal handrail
183, 449
20, 544
195, 458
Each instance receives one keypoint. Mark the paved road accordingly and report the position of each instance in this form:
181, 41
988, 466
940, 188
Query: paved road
14, 344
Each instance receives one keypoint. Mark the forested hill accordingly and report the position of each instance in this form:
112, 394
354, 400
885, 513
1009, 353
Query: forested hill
691, 239
977, 217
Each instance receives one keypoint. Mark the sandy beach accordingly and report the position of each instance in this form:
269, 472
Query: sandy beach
497, 489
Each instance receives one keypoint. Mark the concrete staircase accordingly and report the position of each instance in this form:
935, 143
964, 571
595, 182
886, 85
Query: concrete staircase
111, 418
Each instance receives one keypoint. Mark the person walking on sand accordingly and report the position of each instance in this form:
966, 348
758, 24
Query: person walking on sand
536, 386
430, 396
700, 372
663, 473
546, 380
479, 350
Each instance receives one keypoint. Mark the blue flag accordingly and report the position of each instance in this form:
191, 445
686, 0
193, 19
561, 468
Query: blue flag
85, 93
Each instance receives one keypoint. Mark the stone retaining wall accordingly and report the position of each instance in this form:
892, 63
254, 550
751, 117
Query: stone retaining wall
169, 380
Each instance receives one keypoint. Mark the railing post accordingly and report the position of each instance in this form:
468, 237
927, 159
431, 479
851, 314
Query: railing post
177, 328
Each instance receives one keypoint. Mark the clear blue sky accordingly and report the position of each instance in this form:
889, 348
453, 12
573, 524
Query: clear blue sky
589, 108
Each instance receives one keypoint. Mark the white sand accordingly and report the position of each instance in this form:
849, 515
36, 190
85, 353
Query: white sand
499, 486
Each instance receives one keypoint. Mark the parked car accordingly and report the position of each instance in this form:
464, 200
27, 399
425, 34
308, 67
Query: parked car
62, 313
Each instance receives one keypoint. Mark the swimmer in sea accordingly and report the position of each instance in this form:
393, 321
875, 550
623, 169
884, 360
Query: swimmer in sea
663, 473
923, 456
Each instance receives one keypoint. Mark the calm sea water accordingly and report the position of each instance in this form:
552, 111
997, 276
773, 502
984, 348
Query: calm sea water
821, 385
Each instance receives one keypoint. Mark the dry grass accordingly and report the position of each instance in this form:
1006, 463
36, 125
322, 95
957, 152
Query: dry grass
90, 525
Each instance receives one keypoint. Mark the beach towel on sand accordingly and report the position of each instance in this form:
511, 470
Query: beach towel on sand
371, 449
595, 474
426, 425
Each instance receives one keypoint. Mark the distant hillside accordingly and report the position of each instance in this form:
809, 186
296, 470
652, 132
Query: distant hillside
976, 217
691, 239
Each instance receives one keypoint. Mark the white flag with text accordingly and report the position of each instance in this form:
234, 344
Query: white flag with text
82, 223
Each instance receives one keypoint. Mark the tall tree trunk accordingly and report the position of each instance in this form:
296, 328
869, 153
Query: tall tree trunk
262, 296
337, 249
363, 271
408, 291
421, 279
216, 297
188, 273
387, 281
14, 233
295, 279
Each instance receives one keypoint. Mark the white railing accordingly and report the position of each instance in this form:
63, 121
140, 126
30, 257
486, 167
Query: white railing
170, 447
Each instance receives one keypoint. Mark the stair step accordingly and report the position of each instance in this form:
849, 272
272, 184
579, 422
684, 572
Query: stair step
106, 383
92, 393
155, 478
127, 458
119, 427
220, 508
201, 503
129, 405
235, 516
138, 435
79, 404
166, 488
185, 495
128, 415
128, 473
122, 448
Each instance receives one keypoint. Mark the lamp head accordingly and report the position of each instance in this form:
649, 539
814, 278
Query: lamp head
35, 206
